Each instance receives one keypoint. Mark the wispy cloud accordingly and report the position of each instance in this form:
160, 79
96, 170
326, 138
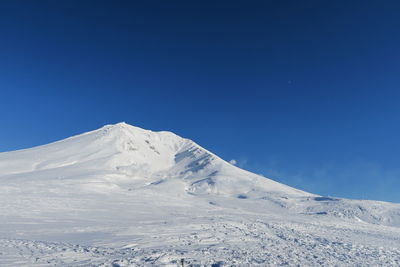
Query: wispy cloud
233, 162
358, 179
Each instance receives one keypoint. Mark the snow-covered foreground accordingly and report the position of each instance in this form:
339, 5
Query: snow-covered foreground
123, 196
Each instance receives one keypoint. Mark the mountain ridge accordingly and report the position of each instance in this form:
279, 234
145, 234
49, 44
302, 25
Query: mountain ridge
131, 150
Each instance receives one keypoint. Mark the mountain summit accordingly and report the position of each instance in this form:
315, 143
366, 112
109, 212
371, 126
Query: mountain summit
124, 196
146, 158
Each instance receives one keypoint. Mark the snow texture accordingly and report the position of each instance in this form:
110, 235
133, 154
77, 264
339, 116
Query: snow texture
124, 196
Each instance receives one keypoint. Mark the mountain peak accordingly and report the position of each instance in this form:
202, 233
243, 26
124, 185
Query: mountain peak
124, 128
122, 123
143, 155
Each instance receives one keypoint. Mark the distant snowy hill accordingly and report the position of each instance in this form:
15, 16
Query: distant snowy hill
124, 196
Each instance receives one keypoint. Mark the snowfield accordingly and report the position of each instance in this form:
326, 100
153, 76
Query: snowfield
124, 196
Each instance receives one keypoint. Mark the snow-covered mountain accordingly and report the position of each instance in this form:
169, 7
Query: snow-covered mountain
124, 196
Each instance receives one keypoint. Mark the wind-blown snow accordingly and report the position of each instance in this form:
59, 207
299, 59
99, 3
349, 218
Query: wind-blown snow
124, 196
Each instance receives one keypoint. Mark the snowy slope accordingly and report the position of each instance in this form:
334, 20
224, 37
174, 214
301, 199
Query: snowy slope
121, 195
144, 157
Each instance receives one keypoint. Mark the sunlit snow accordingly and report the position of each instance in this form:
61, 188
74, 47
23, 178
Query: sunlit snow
124, 196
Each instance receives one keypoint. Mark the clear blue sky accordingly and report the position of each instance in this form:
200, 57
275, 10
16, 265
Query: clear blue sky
304, 92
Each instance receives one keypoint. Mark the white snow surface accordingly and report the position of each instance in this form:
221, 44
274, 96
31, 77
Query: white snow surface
124, 196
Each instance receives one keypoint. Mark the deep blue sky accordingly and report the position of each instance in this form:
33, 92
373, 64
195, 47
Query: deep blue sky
304, 92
